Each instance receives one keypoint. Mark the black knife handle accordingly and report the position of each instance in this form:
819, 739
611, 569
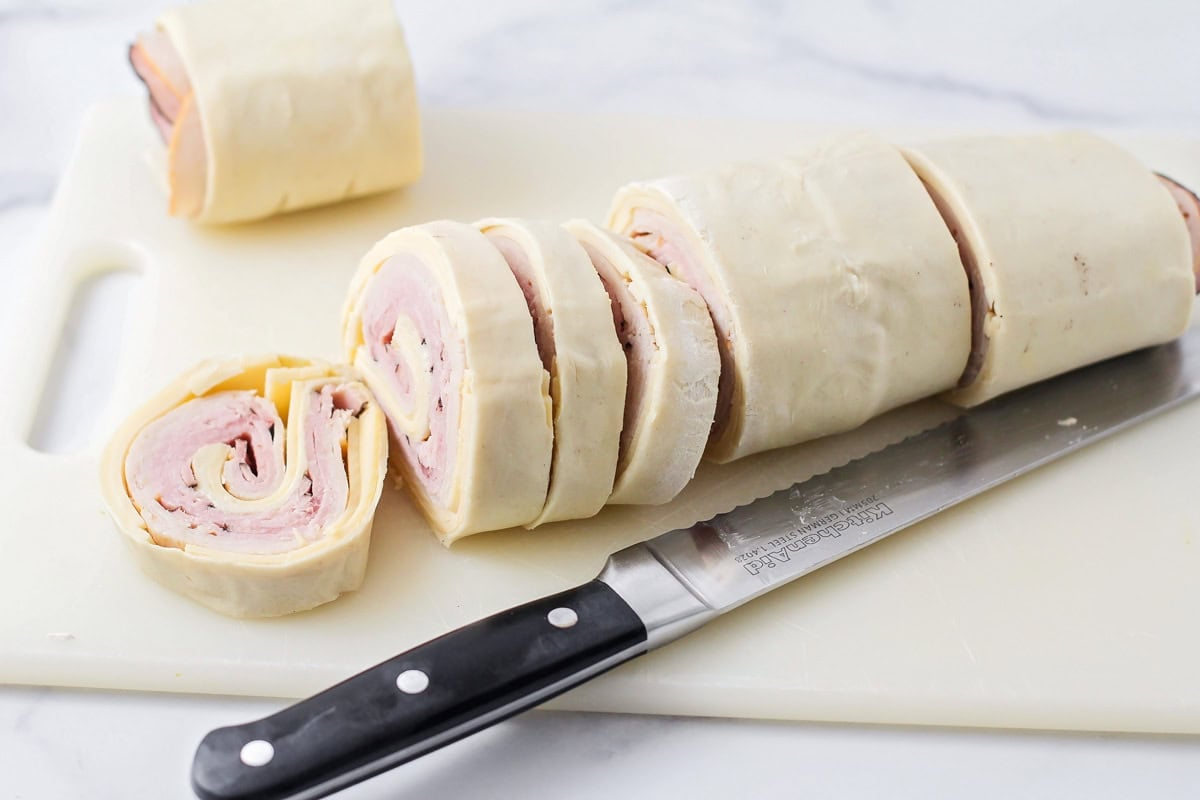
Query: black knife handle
418, 701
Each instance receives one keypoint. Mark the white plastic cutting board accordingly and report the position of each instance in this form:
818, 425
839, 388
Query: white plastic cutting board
1067, 599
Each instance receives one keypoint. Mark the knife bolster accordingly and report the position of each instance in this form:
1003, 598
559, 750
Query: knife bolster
663, 601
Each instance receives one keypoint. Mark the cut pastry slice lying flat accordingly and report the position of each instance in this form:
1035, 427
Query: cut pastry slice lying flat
278, 105
1076, 252
250, 485
836, 291
440, 330
672, 366
576, 341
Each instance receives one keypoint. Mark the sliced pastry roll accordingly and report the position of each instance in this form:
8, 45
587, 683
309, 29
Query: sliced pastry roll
439, 328
672, 368
250, 484
1076, 252
578, 347
836, 291
276, 105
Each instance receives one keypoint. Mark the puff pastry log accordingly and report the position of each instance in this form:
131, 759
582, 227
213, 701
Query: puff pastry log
277, 105
250, 484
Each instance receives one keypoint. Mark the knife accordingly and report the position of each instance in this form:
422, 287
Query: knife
654, 592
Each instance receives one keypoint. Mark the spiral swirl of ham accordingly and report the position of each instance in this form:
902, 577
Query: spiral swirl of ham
439, 328
250, 485
672, 368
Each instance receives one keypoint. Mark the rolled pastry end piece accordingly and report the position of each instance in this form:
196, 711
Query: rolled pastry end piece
578, 347
279, 105
835, 289
672, 368
1075, 253
250, 485
438, 327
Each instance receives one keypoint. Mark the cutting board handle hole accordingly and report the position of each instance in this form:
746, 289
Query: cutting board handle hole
83, 374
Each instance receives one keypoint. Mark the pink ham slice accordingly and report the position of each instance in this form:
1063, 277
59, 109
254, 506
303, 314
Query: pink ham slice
156, 62
403, 289
173, 110
1189, 206
164, 488
663, 240
637, 337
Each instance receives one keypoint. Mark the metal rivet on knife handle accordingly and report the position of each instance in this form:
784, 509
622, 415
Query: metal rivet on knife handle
562, 617
412, 681
257, 753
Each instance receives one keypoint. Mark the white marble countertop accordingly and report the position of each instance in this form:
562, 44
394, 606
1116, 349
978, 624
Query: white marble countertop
1017, 64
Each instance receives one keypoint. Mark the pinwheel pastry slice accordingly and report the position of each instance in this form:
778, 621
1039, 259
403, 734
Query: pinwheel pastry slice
250, 484
672, 367
438, 327
578, 346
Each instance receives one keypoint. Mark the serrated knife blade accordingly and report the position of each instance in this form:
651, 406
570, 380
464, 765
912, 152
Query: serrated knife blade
739, 555
658, 590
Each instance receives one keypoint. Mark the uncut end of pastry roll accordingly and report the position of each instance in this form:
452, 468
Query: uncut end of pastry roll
439, 328
578, 348
250, 484
835, 289
278, 105
672, 368
1075, 253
